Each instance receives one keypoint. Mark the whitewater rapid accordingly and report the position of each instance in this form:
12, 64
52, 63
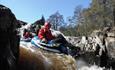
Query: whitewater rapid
80, 63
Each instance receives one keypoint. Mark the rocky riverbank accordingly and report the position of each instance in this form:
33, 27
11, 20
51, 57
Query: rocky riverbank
97, 48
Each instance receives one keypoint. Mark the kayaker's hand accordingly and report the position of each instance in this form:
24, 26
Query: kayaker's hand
56, 45
44, 40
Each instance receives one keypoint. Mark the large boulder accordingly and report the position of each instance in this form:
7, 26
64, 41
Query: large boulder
110, 43
9, 40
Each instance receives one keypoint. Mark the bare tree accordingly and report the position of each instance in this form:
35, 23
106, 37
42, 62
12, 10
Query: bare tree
56, 20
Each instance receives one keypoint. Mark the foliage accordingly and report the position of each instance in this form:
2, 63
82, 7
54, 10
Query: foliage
100, 14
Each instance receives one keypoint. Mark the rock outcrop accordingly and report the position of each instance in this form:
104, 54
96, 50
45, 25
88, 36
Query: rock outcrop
100, 45
37, 25
21, 23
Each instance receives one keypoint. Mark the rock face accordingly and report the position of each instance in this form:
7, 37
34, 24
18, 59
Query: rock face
9, 40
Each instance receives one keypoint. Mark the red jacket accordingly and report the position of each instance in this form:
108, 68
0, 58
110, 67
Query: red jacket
45, 34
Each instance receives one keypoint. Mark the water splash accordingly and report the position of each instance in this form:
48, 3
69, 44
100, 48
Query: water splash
44, 60
93, 67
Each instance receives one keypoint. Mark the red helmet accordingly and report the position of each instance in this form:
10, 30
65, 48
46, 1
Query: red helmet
47, 25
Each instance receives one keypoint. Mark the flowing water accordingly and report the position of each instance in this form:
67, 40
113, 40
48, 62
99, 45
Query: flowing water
82, 65
53, 61
32, 58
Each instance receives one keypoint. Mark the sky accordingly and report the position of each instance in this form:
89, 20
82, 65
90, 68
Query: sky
32, 10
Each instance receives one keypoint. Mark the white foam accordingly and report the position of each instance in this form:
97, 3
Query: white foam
27, 45
93, 67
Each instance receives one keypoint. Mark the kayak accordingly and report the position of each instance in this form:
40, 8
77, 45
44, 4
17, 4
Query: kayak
49, 47
26, 39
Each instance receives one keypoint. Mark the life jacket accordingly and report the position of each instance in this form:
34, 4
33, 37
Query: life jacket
45, 34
